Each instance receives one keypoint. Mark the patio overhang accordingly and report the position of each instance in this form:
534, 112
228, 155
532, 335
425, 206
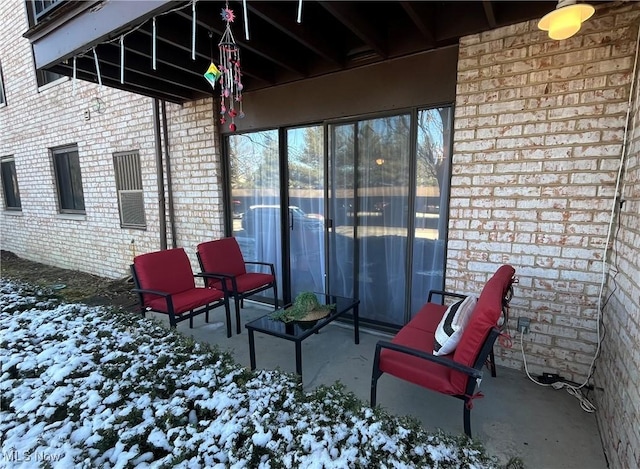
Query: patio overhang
331, 37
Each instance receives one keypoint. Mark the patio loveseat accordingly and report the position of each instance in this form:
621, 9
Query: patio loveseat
414, 353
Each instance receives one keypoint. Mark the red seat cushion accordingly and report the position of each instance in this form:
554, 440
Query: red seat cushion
186, 300
168, 271
419, 333
417, 370
252, 280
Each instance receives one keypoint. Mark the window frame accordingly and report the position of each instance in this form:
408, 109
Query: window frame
37, 15
3, 96
9, 161
45, 81
72, 179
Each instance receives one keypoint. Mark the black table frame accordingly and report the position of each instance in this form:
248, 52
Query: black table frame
297, 331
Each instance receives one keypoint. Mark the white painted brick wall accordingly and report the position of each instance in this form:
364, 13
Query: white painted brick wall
618, 370
35, 120
538, 139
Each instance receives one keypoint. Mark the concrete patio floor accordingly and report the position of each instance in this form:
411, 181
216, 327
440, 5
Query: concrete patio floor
544, 427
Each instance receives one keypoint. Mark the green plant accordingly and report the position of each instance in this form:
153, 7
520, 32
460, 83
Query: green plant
305, 303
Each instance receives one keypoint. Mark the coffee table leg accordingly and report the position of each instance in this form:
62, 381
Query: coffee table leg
299, 357
252, 350
356, 324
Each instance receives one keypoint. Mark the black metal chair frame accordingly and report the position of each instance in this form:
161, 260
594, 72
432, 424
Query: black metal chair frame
485, 357
474, 373
174, 319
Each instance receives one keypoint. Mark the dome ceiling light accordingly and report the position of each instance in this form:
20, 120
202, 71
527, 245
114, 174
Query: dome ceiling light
566, 19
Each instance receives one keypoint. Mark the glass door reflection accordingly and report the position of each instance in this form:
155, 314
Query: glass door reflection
255, 198
306, 227
369, 207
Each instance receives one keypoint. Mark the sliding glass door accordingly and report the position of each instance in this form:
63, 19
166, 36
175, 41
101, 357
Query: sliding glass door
363, 215
388, 198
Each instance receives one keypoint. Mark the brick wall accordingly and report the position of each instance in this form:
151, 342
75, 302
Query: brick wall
35, 120
197, 178
539, 130
618, 368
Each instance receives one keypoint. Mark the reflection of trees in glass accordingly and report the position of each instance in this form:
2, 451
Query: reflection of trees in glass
253, 159
434, 126
384, 147
343, 145
305, 152
430, 146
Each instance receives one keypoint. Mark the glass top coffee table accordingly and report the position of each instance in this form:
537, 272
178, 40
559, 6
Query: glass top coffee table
297, 331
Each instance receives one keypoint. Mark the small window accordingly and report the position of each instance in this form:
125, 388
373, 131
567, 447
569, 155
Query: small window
45, 77
10, 184
40, 9
129, 187
3, 99
66, 163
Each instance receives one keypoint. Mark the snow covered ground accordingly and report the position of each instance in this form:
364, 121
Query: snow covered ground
92, 387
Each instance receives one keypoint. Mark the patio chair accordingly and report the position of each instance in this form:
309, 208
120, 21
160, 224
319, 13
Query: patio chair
165, 284
410, 355
223, 257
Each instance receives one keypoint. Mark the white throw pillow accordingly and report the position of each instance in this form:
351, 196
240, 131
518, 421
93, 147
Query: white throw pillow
452, 324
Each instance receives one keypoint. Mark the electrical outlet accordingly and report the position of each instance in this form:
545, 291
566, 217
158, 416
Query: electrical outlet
523, 325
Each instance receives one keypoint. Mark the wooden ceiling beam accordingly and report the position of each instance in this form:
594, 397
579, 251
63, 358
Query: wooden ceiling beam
490, 13
169, 74
266, 51
347, 14
417, 13
301, 34
110, 77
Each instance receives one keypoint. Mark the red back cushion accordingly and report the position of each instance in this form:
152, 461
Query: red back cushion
484, 316
168, 271
222, 256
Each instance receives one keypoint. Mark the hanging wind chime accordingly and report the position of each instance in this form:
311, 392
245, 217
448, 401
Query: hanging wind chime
228, 74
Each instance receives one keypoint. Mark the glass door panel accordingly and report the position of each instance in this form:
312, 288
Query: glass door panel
255, 198
382, 216
369, 201
305, 163
342, 210
432, 196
